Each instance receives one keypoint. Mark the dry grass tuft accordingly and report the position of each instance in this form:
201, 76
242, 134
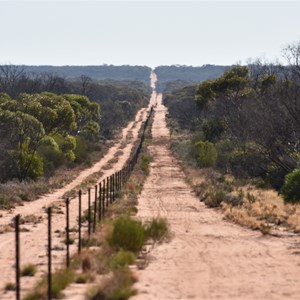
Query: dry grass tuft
242, 202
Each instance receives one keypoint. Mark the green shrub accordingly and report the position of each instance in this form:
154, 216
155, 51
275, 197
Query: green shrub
121, 259
82, 278
127, 234
157, 229
60, 280
291, 187
118, 287
28, 165
28, 270
4, 202
224, 147
275, 176
206, 154
213, 129
81, 150
247, 162
10, 286
145, 161
215, 198
52, 157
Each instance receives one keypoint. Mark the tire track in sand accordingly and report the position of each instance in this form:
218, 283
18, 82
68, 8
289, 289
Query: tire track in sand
207, 258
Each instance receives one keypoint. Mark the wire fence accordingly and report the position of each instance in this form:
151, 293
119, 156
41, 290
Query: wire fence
105, 194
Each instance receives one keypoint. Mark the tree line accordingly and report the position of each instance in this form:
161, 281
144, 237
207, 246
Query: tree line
248, 120
47, 121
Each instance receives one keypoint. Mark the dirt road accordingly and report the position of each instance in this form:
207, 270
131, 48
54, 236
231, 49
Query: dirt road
33, 240
208, 258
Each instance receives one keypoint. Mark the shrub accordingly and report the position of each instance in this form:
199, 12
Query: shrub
4, 202
60, 280
213, 129
249, 162
118, 287
206, 154
145, 161
10, 286
28, 270
291, 187
215, 198
275, 176
127, 234
81, 150
157, 229
224, 147
121, 259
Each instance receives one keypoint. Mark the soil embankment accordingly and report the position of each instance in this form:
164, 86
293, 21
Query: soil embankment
208, 257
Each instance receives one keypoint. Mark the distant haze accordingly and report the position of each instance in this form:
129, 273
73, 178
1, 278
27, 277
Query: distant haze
148, 33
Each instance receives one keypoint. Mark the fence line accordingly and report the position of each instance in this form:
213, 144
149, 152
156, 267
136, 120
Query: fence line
106, 195
49, 212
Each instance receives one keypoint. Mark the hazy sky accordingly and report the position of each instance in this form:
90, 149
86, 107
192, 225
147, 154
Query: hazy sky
145, 32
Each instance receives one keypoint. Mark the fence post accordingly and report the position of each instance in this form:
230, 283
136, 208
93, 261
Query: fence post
118, 176
67, 232
100, 208
95, 209
49, 211
107, 186
113, 189
103, 199
17, 231
79, 222
89, 212
110, 189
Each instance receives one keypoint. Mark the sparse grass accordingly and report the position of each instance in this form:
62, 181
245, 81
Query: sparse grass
157, 229
6, 228
10, 286
121, 259
117, 287
144, 164
252, 205
71, 241
107, 166
60, 280
90, 242
82, 278
31, 219
28, 270
118, 153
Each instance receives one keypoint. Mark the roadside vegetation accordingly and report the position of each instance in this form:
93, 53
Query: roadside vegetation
118, 245
52, 127
240, 133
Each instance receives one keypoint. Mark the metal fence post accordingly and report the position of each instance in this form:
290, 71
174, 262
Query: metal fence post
107, 186
103, 199
95, 209
49, 211
67, 232
113, 187
110, 189
17, 232
79, 222
100, 204
89, 212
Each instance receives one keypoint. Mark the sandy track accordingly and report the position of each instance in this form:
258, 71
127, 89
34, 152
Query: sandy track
208, 258
33, 242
